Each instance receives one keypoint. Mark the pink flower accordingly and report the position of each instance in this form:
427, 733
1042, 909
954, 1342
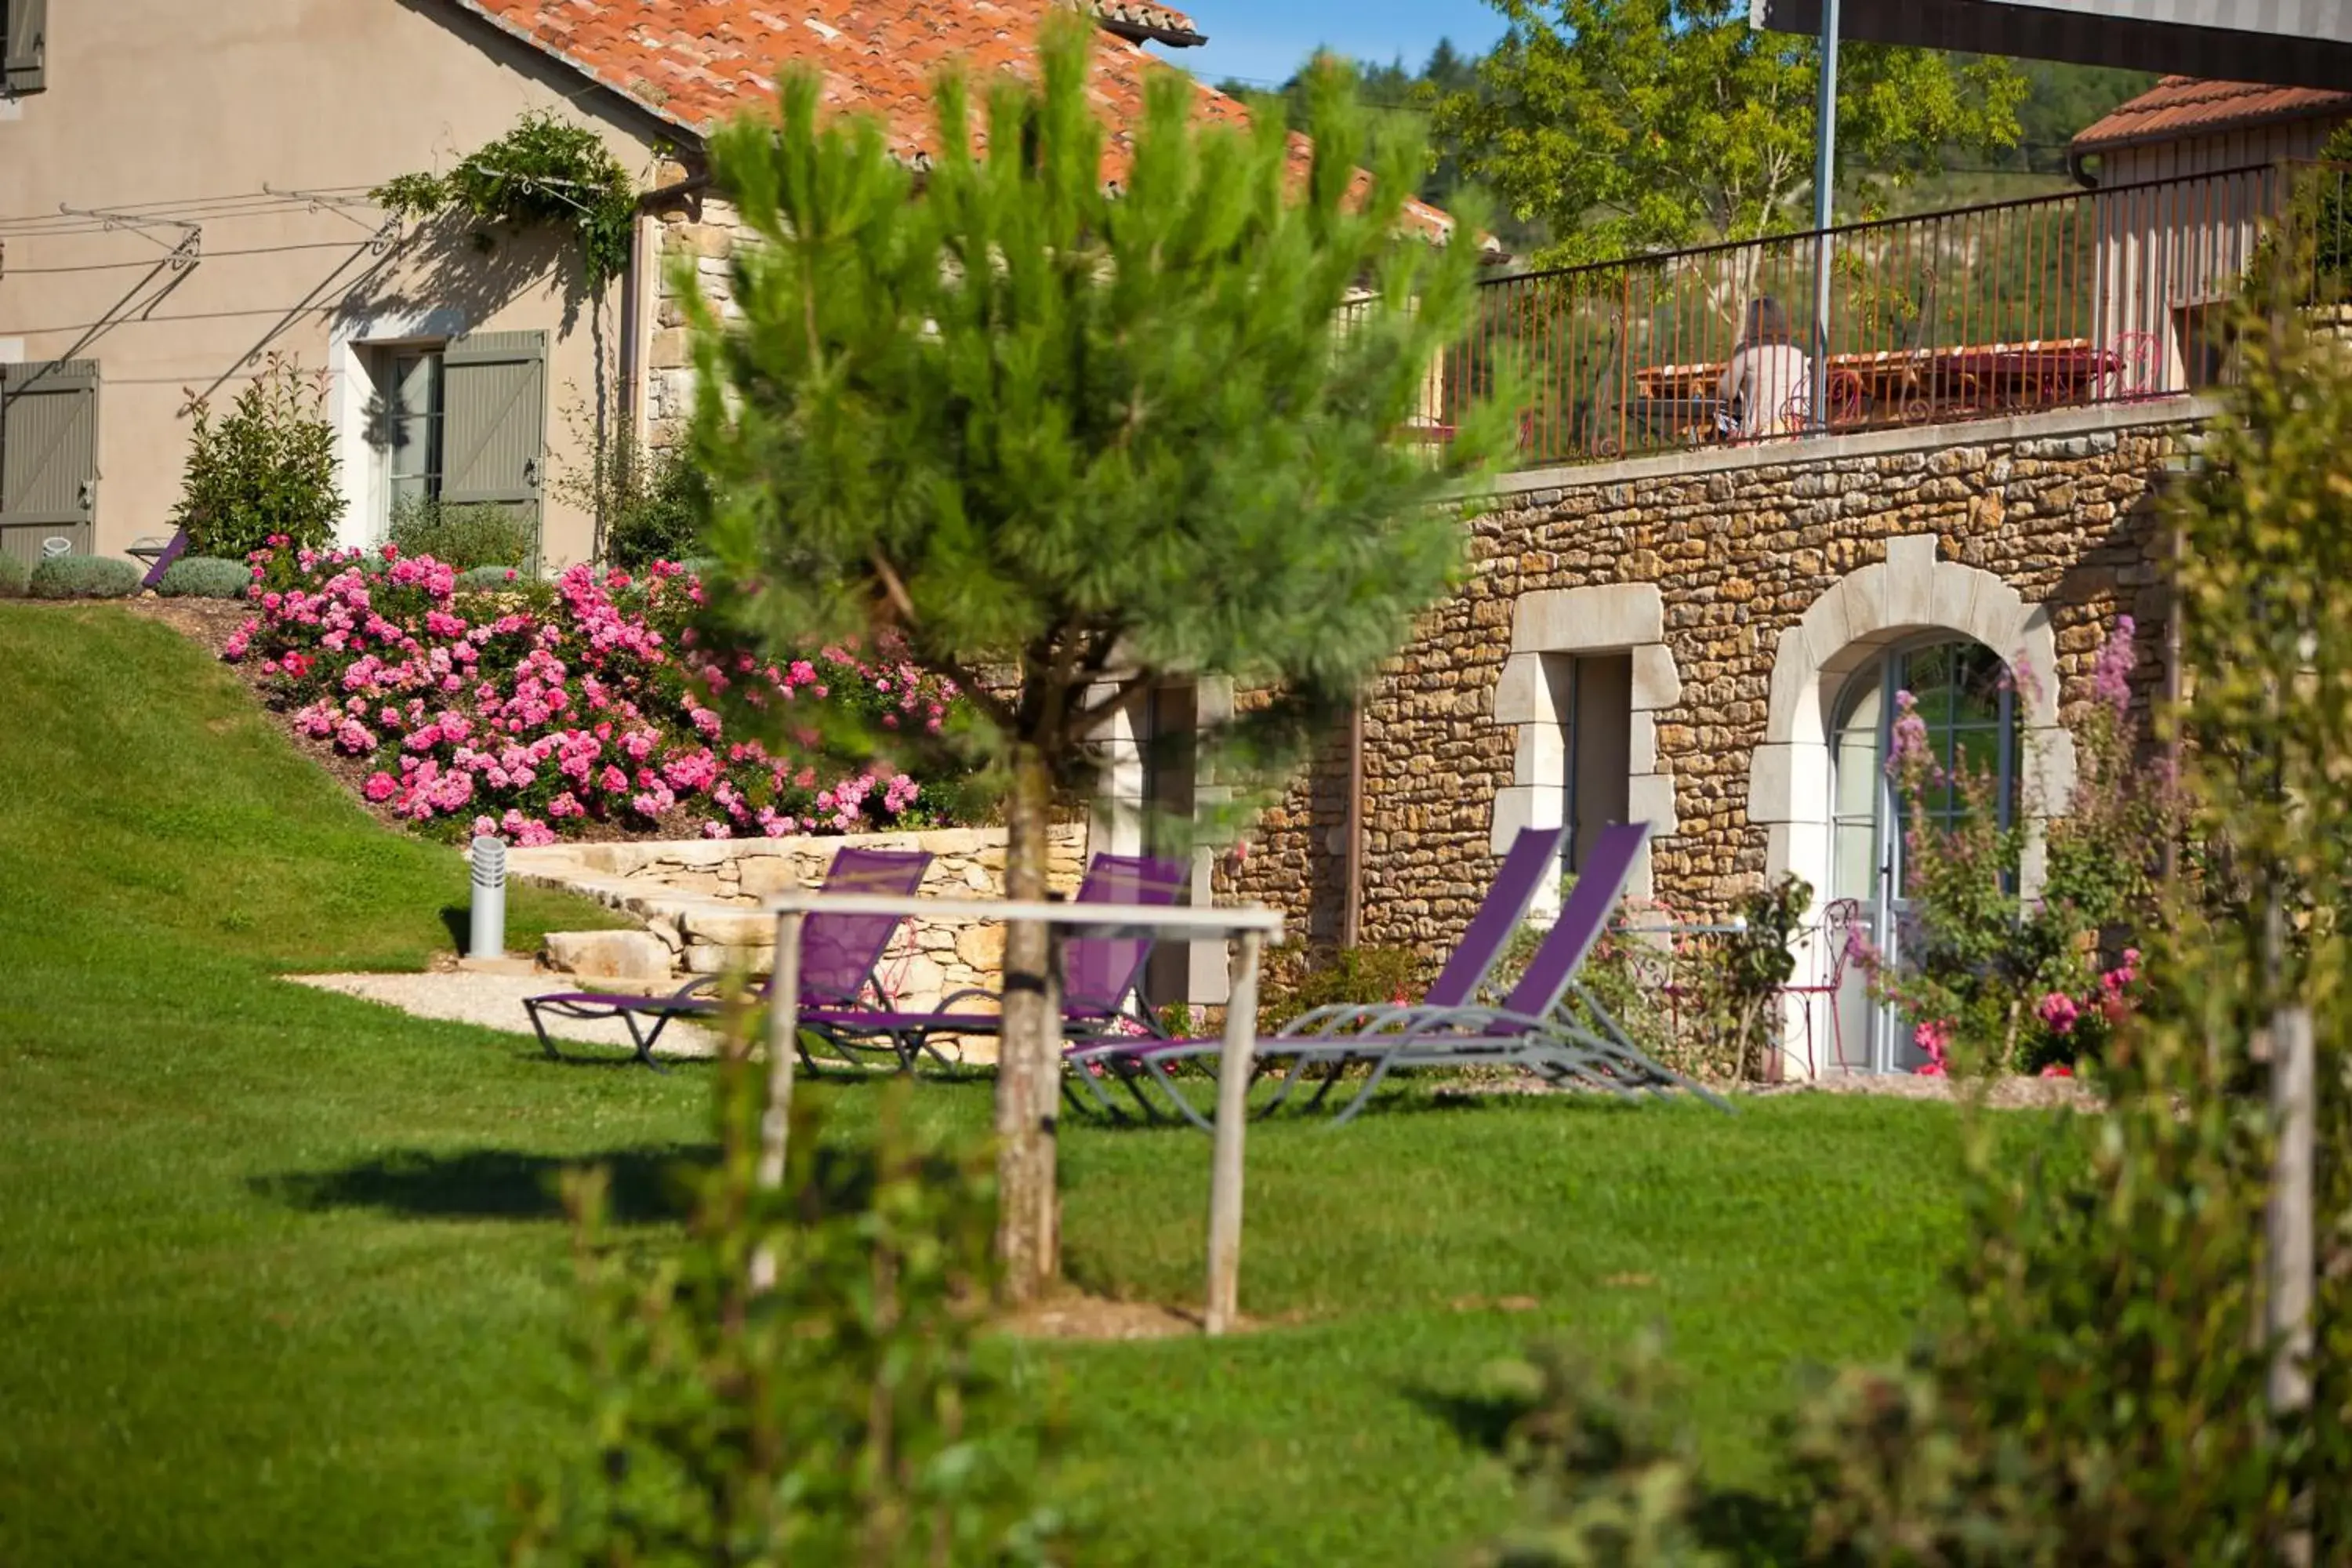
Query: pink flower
2057, 1069
2059, 1012
2111, 677
381, 786
1909, 756
2113, 980
1934, 1037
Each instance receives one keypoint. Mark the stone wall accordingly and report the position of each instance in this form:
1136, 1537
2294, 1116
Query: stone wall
1723, 554
700, 235
697, 898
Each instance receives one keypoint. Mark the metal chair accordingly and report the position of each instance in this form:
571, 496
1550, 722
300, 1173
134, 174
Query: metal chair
1843, 916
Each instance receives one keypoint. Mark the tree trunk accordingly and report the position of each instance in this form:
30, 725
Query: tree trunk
1029, 1066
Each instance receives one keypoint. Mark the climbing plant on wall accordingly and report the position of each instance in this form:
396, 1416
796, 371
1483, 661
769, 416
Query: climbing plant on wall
544, 172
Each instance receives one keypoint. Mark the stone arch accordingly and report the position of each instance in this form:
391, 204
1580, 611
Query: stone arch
1854, 621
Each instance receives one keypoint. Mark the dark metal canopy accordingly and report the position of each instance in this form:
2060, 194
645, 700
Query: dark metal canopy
2289, 43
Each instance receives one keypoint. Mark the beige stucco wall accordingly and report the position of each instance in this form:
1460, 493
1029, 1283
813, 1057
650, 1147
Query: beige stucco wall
163, 108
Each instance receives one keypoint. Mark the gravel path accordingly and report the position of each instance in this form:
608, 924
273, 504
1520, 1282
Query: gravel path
494, 1002
2008, 1093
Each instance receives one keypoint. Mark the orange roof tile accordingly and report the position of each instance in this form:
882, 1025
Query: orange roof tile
2181, 106
693, 63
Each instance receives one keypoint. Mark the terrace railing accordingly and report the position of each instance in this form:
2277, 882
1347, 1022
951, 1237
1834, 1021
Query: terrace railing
2097, 296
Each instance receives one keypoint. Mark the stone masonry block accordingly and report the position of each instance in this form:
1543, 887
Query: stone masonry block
1651, 799
1523, 695
608, 954
1517, 806
1952, 597
1656, 683
1573, 620
1642, 743
1911, 582
1826, 621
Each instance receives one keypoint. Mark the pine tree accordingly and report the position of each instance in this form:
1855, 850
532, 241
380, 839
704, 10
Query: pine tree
1065, 441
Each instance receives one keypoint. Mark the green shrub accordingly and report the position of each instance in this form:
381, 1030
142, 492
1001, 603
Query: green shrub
491, 579
266, 471
1635, 978
1700, 1002
205, 577
14, 576
464, 536
86, 577
1299, 979
650, 502
1608, 1477
838, 1414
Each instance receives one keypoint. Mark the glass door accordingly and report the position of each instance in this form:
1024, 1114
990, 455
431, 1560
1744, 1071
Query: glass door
1963, 697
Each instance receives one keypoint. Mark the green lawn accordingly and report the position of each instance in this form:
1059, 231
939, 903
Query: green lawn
280, 1279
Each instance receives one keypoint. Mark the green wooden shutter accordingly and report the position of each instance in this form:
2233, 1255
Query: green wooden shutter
49, 456
494, 422
24, 46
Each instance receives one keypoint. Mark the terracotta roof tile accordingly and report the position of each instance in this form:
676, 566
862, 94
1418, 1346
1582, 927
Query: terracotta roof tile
2183, 106
695, 62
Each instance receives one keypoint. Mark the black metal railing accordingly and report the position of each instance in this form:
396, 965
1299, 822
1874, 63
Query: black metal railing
2089, 297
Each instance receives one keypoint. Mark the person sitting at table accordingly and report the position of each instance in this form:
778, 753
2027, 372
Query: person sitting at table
1768, 385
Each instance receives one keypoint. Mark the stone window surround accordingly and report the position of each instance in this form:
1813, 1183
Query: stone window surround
1854, 621
1614, 617
1121, 805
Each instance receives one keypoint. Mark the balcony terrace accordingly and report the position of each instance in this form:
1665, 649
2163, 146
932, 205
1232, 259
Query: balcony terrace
2110, 296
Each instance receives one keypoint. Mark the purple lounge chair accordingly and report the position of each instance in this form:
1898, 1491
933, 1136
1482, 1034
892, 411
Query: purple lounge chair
1101, 978
1530, 1030
1524, 870
838, 954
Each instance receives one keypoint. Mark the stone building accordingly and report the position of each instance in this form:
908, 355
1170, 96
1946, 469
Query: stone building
1710, 642
1708, 636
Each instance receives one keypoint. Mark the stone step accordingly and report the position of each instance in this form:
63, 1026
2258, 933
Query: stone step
609, 954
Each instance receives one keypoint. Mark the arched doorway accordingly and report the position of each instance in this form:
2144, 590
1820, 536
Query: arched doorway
1963, 695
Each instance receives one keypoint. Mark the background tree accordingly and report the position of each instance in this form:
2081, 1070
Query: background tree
1384, 89
1634, 125
1062, 443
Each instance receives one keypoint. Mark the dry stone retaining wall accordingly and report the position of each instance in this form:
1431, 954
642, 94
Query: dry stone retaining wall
699, 901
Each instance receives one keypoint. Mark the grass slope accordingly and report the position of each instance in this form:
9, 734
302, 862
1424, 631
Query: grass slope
280, 1277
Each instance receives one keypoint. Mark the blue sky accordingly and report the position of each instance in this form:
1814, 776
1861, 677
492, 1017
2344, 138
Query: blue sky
1267, 40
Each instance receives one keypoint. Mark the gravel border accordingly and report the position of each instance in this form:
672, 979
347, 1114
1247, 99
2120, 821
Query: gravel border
494, 1002
2008, 1093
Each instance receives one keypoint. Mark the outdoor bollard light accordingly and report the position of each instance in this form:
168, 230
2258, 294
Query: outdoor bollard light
489, 933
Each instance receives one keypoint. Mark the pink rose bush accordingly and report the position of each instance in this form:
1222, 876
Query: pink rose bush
535, 714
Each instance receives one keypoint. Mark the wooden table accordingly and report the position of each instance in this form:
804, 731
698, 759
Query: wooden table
1918, 384
1251, 928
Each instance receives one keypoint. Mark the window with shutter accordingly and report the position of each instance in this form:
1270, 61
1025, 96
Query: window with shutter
49, 457
412, 433
493, 436
24, 45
